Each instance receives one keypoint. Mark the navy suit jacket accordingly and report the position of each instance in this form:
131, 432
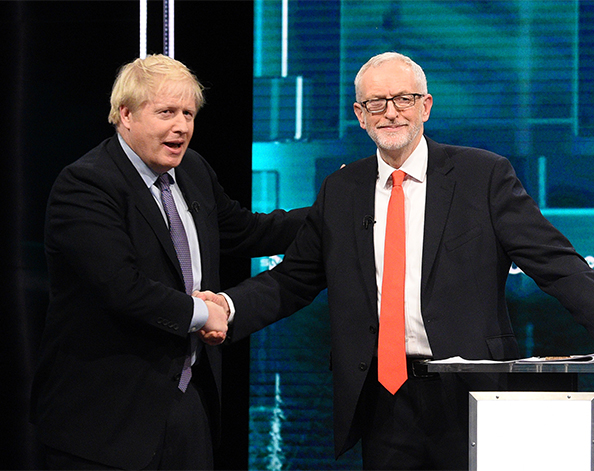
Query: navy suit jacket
116, 332
478, 220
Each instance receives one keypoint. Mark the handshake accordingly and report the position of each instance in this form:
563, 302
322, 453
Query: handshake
215, 329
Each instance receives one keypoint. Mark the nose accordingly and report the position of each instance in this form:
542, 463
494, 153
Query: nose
180, 124
391, 111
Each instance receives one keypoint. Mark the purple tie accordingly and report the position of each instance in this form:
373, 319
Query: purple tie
182, 249
176, 230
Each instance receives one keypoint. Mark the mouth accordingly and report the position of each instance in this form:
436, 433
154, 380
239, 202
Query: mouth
174, 145
391, 126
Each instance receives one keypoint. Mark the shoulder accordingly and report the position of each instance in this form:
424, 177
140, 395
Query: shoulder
95, 161
105, 169
358, 170
444, 158
351, 178
462, 153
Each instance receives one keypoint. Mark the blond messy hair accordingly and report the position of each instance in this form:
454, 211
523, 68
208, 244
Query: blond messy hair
139, 81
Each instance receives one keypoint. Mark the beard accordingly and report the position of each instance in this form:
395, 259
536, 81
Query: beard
395, 140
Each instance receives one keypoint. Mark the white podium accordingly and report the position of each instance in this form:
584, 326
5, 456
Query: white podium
527, 431
529, 426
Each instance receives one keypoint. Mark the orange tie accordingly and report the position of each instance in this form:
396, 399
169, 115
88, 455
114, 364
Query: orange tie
391, 349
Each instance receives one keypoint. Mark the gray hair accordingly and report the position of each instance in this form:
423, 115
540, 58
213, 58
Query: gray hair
379, 59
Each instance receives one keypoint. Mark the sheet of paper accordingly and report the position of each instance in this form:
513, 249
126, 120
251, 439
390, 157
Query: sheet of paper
559, 359
546, 359
456, 360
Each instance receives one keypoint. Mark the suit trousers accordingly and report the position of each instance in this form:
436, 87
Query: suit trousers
424, 426
186, 444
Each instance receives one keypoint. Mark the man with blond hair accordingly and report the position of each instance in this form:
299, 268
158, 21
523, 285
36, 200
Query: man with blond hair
127, 377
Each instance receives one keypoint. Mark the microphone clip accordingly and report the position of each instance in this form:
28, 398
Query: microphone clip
368, 221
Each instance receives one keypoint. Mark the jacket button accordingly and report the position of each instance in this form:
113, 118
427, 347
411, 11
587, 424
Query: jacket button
362, 366
177, 377
372, 329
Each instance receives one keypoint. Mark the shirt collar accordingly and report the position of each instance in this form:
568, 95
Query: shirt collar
415, 166
148, 175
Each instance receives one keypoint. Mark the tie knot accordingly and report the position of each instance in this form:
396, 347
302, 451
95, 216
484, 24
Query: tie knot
398, 177
164, 181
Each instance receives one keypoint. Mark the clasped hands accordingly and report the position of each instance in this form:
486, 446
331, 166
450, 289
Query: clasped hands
215, 329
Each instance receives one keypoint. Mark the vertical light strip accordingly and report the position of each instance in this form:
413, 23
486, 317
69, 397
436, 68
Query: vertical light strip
168, 28
542, 182
298, 107
575, 88
285, 39
258, 36
171, 27
143, 21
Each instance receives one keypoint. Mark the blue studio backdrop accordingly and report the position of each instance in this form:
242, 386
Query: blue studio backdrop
514, 77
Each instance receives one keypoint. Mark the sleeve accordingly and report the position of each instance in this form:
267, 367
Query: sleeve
291, 285
538, 248
94, 254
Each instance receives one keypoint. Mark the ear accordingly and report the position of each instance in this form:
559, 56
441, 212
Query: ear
125, 116
427, 104
359, 112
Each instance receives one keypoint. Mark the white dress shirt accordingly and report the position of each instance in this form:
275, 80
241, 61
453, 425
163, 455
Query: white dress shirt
415, 188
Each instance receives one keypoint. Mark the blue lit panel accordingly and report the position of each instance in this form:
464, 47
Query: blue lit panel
514, 77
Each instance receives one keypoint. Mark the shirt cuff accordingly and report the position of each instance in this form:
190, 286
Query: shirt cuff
199, 316
231, 308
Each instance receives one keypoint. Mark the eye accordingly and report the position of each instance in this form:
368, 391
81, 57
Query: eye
403, 99
376, 104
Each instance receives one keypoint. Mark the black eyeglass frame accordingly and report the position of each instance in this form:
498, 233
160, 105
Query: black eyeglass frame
414, 96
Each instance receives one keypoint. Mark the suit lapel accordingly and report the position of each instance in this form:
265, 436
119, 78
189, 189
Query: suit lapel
363, 198
440, 189
144, 200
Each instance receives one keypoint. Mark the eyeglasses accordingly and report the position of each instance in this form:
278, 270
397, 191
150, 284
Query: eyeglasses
401, 102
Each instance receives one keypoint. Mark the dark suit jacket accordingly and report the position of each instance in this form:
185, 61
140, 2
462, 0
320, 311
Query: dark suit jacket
116, 330
478, 219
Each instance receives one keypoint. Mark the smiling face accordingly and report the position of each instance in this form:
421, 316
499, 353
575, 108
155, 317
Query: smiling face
396, 133
159, 131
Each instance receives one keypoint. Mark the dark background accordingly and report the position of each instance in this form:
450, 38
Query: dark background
59, 62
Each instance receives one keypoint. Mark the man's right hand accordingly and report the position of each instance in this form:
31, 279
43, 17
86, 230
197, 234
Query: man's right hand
215, 329
212, 297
